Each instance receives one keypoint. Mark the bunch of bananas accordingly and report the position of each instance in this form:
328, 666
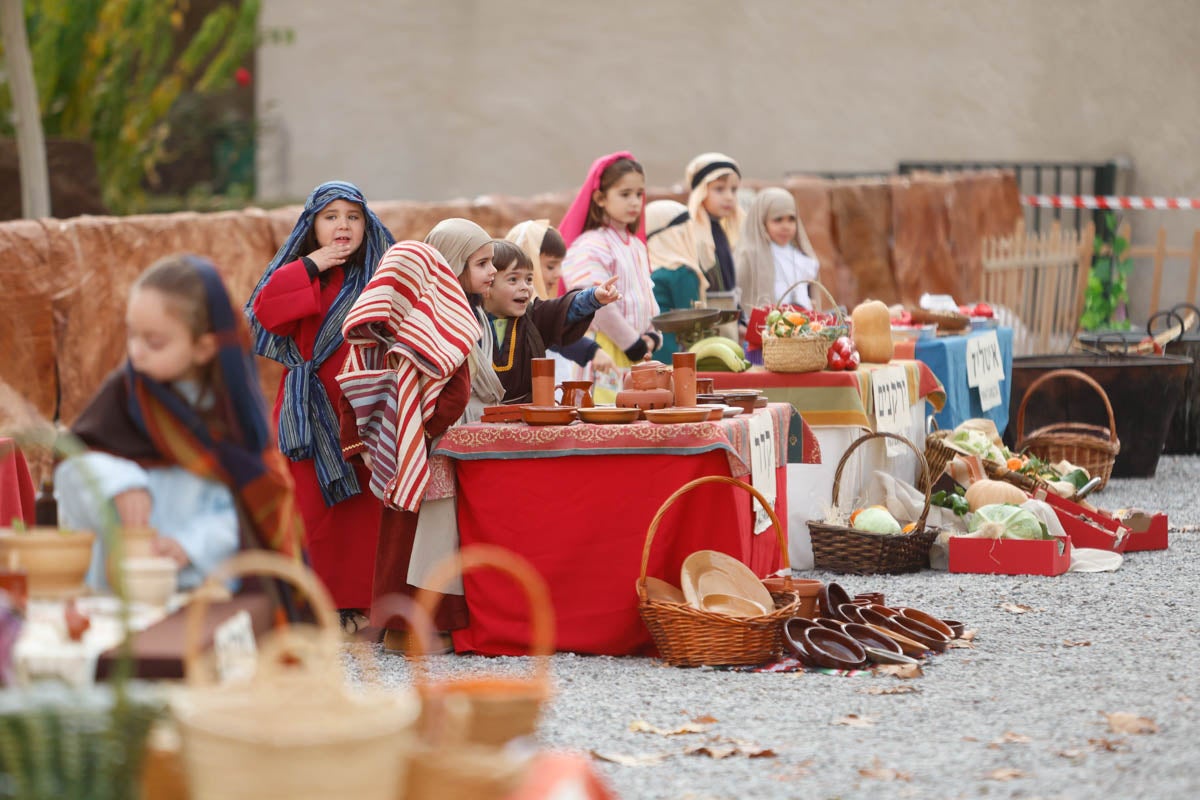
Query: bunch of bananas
718, 354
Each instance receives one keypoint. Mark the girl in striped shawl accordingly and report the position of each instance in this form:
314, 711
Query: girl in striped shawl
296, 314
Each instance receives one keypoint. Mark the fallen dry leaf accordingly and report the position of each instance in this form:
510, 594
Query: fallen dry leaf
641, 726
878, 772
705, 720
904, 689
904, 671
1109, 745
1124, 722
1073, 754
969, 636
1081, 643
1016, 608
855, 721
724, 748
969, 739
1005, 774
640, 760
1010, 738
960, 644
794, 772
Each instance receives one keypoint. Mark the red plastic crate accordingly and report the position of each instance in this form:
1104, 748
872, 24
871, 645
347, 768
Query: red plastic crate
1086, 528
1153, 538
1010, 556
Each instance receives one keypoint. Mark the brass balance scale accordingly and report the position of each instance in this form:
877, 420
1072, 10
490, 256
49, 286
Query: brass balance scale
690, 325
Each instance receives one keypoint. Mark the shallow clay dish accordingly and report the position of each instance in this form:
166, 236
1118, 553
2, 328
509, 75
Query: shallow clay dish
548, 415
743, 400
955, 626
933, 639
715, 410
668, 416
878, 656
833, 649
609, 416
871, 639
792, 630
832, 624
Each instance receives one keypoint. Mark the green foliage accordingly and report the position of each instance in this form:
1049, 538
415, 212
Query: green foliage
1108, 283
107, 73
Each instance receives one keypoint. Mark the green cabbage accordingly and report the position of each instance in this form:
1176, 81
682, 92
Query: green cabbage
876, 520
1005, 521
978, 443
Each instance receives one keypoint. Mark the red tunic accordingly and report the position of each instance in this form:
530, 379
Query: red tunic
399, 527
342, 538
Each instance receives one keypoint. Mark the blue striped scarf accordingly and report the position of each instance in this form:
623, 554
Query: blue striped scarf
308, 421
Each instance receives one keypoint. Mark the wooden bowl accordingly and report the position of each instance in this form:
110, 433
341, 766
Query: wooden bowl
548, 415
55, 562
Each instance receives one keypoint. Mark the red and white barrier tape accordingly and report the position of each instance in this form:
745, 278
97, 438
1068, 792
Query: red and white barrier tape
1109, 201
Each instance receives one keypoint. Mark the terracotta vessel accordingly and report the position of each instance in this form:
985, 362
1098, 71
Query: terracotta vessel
576, 393
683, 378
644, 398
56, 562
648, 375
542, 370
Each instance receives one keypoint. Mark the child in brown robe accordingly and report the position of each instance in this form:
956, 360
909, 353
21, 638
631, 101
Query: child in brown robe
526, 325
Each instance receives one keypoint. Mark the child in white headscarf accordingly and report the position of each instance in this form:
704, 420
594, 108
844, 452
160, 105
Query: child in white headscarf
774, 252
713, 180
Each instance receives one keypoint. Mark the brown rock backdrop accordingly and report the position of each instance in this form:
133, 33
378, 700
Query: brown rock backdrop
65, 281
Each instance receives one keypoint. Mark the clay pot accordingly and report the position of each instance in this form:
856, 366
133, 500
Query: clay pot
55, 562
644, 398
807, 588
649, 375
150, 580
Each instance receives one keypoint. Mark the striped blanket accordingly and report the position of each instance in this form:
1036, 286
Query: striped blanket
409, 331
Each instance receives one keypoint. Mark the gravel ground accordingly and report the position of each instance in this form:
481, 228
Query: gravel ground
1020, 714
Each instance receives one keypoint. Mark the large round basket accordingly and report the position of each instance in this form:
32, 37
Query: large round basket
502, 708
294, 730
1092, 447
800, 353
689, 637
839, 548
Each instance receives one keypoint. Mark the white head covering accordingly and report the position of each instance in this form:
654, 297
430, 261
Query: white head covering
753, 257
528, 236
701, 171
456, 239
669, 239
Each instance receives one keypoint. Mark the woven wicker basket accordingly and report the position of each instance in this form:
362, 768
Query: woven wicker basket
838, 548
689, 637
501, 708
937, 456
1092, 447
294, 730
800, 353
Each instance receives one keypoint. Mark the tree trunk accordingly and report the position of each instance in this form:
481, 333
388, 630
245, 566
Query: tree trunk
31, 145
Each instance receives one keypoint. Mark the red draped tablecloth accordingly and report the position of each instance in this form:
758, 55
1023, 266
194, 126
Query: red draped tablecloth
17, 497
576, 501
832, 398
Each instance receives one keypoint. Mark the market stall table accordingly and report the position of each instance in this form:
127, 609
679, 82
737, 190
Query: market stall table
840, 407
576, 501
946, 356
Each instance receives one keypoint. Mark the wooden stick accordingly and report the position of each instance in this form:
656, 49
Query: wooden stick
1160, 254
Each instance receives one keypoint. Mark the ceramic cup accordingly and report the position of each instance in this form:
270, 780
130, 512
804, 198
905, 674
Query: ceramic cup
684, 368
704, 385
542, 370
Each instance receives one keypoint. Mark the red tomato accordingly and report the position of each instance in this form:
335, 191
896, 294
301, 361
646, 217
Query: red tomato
983, 310
835, 359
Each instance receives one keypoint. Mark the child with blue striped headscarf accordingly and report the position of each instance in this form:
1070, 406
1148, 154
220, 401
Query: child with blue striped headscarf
296, 314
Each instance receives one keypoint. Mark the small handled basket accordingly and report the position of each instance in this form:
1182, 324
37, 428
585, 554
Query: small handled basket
937, 454
689, 637
839, 548
501, 708
1092, 447
806, 353
294, 730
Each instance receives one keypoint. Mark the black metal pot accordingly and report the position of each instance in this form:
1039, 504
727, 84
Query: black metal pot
1143, 391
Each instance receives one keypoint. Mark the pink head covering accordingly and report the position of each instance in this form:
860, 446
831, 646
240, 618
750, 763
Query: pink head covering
576, 216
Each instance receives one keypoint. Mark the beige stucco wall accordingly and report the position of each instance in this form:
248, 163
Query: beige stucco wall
420, 99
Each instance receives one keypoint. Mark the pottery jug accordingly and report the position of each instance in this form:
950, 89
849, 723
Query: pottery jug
576, 393
648, 375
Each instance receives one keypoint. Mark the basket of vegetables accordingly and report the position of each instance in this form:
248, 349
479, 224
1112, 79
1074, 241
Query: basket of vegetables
874, 541
799, 340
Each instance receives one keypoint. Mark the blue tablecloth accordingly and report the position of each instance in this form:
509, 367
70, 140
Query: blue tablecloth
946, 356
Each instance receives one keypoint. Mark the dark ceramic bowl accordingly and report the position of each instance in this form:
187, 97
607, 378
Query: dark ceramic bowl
934, 640
833, 649
830, 600
955, 626
792, 634
870, 597
851, 612
930, 620
870, 638
832, 624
